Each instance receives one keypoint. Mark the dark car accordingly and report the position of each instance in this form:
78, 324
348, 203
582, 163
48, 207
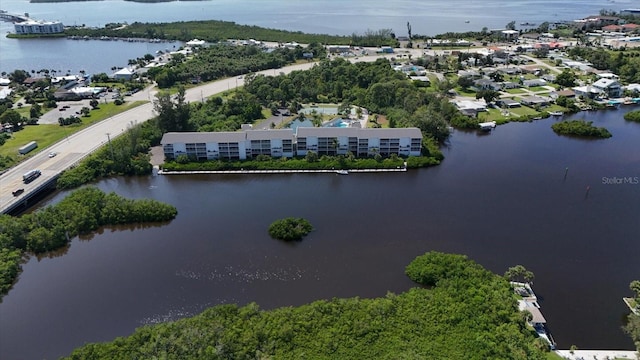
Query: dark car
17, 192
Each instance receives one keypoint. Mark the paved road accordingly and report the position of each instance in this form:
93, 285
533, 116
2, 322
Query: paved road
77, 146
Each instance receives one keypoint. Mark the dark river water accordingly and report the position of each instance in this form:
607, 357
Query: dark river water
500, 198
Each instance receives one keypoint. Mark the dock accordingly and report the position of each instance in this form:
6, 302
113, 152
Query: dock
529, 302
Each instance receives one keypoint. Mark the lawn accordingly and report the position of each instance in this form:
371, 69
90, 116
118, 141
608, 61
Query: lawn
49, 134
524, 110
491, 115
553, 356
515, 91
538, 88
465, 92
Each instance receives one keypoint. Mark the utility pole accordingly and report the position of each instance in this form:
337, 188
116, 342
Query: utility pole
110, 146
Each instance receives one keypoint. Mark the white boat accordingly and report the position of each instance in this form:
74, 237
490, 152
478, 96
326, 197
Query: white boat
487, 126
342, 172
556, 113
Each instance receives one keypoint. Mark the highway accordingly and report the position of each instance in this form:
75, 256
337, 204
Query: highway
77, 146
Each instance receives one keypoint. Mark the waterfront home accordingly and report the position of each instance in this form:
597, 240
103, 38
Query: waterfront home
508, 103
287, 143
534, 100
469, 107
123, 74
610, 87
586, 91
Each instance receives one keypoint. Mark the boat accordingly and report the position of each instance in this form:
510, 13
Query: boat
466, 21
556, 113
527, 24
342, 172
487, 126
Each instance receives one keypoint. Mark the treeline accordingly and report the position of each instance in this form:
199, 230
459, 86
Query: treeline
469, 314
371, 85
220, 61
81, 212
580, 128
310, 162
215, 30
623, 62
125, 155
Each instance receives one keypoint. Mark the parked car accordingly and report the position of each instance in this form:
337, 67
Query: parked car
62, 109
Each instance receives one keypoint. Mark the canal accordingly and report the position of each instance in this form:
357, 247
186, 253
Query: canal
500, 198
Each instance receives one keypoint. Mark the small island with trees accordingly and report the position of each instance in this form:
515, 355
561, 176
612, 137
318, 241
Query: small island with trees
633, 116
290, 229
580, 128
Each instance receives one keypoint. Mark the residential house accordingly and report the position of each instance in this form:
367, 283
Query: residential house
469, 107
533, 82
534, 101
508, 103
510, 70
610, 87
486, 84
586, 91
123, 74
510, 85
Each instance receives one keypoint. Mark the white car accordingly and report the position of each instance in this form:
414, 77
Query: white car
52, 154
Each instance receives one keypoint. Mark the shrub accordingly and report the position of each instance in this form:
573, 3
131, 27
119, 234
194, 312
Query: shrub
290, 229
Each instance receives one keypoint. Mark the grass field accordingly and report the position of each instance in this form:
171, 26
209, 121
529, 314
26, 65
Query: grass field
49, 134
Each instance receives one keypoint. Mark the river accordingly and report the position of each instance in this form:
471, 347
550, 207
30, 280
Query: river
499, 198
311, 16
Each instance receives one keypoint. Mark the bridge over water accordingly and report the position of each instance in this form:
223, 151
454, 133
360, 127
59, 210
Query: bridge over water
15, 18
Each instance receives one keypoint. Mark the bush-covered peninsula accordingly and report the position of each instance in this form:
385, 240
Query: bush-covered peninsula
466, 313
216, 30
83, 211
580, 128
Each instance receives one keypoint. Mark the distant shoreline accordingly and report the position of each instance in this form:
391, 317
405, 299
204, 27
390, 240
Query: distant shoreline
141, 1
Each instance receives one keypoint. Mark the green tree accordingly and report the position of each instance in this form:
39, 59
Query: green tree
566, 78
511, 25
465, 82
519, 273
173, 113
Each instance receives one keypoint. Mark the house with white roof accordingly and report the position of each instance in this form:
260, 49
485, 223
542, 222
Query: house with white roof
123, 74
611, 87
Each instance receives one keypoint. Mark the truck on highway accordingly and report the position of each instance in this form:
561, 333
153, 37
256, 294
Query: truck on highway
31, 175
24, 149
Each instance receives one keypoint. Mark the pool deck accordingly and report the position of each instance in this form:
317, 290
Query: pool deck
597, 354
